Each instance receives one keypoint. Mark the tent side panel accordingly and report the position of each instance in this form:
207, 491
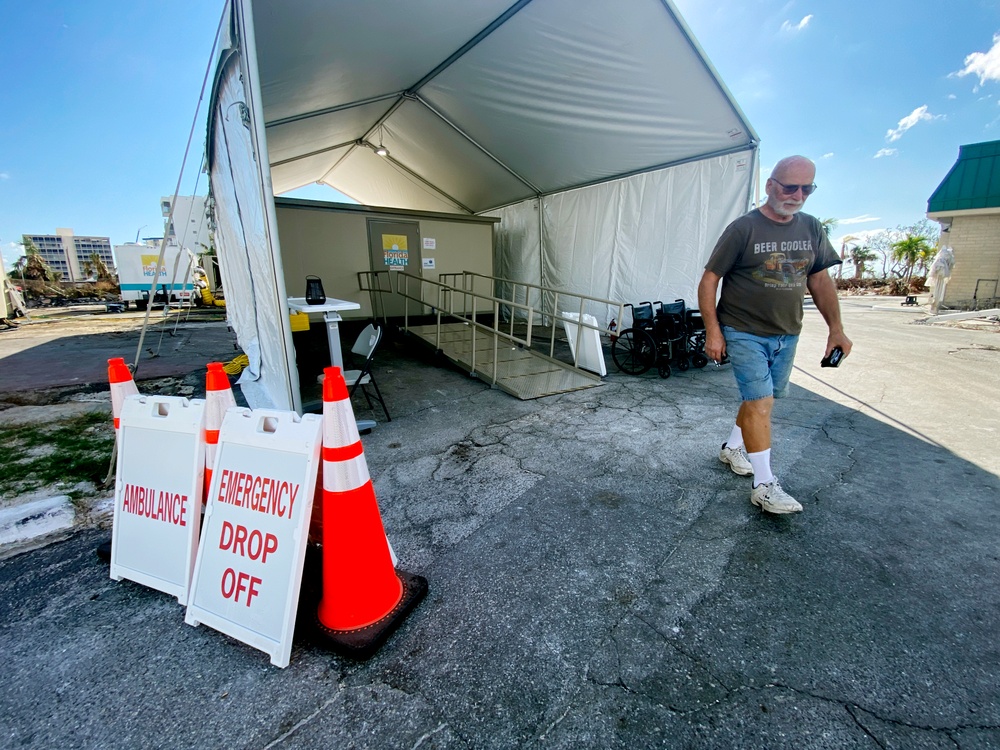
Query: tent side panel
517, 243
645, 237
243, 247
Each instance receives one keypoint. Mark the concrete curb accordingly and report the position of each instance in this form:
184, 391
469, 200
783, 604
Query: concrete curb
966, 315
31, 520
36, 523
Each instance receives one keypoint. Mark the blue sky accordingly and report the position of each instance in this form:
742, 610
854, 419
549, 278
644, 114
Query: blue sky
880, 93
97, 99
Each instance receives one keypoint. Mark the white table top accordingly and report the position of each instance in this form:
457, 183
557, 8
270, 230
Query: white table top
299, 304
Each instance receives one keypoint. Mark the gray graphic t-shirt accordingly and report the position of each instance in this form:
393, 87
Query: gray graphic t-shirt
764, 266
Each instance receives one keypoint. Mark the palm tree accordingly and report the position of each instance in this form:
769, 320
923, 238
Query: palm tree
910, 250
843, 253
99, 268
35, 267
860, 256
927, 257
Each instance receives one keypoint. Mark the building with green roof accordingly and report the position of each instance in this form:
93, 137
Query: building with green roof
967, 205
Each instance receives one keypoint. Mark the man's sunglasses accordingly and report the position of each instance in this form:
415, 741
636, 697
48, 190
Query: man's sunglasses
807, 190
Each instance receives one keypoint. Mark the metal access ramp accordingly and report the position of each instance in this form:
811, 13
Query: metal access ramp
491, 356
469, 330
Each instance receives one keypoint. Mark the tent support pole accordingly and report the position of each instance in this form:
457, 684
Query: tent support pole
541, 251
278, 298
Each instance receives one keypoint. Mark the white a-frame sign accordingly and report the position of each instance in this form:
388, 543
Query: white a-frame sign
158, 489
249, 567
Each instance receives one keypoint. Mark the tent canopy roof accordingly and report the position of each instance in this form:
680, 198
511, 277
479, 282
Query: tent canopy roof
482, 103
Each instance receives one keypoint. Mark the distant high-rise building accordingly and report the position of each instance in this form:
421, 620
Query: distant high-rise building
69, 255
189, 226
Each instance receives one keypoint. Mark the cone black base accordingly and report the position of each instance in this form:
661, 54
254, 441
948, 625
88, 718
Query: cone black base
104, 551
362, 643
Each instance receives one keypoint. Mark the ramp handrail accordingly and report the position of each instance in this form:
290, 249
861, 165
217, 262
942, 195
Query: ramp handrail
468, 282
446, 296
371, 281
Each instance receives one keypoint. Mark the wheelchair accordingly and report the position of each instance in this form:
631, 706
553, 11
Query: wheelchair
663, 334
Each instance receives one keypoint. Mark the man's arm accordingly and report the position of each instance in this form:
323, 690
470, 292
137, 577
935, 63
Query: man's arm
715, 344
824, 294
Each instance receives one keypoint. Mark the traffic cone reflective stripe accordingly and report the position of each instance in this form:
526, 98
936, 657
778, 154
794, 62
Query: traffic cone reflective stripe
347, 473
218, 399
345, 453
360, 585
122, 386
341, 467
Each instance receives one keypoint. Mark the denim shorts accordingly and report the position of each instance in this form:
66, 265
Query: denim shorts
762, 364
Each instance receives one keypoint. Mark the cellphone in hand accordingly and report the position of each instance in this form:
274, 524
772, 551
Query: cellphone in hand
834, 358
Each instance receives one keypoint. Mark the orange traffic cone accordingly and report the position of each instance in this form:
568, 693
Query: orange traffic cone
122, 386
218, 398
364, 598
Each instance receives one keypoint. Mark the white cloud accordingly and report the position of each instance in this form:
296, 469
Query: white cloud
917, 115
864, 219
827, 155
4, 176
984, 65
856, 238
793, 28
886, 152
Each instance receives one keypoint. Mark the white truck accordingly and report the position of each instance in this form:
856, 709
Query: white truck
137, 271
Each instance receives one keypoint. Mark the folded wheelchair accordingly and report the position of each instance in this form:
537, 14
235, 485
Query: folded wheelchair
664, 334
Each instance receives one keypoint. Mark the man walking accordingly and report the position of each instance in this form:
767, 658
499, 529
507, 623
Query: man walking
765, 260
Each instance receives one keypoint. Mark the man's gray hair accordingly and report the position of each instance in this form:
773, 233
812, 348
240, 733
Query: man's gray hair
789, 161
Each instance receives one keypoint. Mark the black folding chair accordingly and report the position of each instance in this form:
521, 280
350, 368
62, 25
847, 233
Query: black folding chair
363, 353
364, 348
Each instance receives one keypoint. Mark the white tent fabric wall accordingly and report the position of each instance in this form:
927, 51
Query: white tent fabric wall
242, 245
645, 237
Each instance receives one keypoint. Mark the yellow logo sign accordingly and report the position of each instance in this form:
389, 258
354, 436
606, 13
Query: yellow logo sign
395, 250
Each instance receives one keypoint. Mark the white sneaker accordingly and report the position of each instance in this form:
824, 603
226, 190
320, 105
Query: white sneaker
770, 497
737, 460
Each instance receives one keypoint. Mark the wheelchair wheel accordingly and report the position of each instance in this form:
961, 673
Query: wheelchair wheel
699, 360
634, 351
683, 363
664, 370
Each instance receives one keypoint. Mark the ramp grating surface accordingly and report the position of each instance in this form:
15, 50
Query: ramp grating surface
519, 371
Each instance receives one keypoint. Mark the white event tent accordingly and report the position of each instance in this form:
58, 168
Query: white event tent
597, 131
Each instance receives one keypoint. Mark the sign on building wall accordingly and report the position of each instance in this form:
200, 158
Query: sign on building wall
395, 251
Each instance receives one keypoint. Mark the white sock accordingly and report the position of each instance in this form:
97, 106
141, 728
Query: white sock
735, 438
761, 463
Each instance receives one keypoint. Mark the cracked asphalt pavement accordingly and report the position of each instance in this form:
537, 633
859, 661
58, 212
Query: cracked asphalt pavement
597, 577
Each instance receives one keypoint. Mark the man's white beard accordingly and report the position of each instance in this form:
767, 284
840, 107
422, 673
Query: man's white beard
779, 208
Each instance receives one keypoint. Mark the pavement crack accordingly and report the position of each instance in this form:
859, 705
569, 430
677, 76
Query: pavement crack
853, 708
301, 723
428, 735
